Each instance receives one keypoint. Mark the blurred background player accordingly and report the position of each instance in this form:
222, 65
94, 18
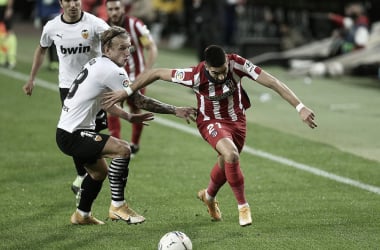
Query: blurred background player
353, 32
46, 10
142, 42
8, 39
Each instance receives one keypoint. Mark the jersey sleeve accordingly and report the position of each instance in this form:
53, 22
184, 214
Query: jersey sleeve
117, 81
145, 37
245, 67
45, 40
184, 76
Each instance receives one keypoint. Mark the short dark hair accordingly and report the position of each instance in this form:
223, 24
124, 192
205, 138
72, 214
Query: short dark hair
215, 56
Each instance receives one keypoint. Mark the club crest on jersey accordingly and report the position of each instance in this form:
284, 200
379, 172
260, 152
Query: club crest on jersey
214, 133
85, 34
179, 75
126, 83
98, 138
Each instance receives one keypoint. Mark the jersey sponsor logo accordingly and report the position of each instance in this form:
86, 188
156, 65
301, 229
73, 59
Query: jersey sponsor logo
179, 75
231, 89
75, 50
85, 34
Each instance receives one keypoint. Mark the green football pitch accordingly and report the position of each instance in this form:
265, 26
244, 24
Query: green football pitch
308, 189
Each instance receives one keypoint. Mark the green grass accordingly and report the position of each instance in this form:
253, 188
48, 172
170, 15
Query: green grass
292, 209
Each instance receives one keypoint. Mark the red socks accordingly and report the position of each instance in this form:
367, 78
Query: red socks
217, 180
136, 133
114, 126
236, 180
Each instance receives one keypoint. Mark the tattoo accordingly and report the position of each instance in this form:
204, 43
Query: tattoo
151, 104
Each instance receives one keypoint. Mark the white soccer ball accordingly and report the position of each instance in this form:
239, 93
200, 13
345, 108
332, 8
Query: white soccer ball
175, 241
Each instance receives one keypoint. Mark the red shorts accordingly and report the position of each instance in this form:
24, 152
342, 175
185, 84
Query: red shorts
214, 130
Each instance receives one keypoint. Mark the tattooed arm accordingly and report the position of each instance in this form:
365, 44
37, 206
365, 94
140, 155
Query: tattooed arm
153, 105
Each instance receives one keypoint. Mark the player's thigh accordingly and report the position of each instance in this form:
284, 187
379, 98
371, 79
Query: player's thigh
214, 130
115, 147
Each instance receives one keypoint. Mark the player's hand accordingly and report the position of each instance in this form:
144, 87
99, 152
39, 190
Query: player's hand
307, 116
111, 98
188, 113
28, 88
141, 118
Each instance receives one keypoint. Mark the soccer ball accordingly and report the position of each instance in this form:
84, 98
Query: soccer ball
175, 241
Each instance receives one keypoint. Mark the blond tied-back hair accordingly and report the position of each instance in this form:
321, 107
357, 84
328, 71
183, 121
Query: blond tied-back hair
112, 32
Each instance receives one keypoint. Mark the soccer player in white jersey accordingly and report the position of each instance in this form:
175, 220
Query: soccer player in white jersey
222, 104
76, 35
76, 135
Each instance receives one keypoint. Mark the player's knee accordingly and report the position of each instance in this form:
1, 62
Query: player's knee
123, 148
231, 156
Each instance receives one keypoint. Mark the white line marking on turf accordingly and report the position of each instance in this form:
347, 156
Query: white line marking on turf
247, 149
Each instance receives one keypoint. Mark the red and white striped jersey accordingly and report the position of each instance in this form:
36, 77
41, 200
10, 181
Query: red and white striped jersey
226, 101
140, 37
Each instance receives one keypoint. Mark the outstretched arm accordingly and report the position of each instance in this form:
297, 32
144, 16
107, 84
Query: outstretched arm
144, 79
132, 118
306, 114
153, 105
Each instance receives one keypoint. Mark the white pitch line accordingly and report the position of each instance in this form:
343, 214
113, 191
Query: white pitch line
247, 149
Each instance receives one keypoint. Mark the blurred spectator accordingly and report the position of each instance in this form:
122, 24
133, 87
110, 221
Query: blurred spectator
268, 27
96, 7
45, 11
142, 9
231, 9
291, 37
353, 32
8, 39
208, 24
170, 29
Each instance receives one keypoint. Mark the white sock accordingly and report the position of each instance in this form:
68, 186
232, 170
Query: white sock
83, 214
209, 197
243, 205
117, 203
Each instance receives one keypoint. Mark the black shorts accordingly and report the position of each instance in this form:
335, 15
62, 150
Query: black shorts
84, 145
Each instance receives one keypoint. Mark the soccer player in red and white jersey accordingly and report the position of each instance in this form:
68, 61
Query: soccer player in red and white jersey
143, 42
221, 120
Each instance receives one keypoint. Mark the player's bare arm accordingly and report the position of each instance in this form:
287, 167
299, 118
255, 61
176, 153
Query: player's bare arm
153, 105
306, 114
38, 59
116, 110
144, 79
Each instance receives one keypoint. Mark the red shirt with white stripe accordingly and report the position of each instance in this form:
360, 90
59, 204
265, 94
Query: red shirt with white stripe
140, 37
226, 101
